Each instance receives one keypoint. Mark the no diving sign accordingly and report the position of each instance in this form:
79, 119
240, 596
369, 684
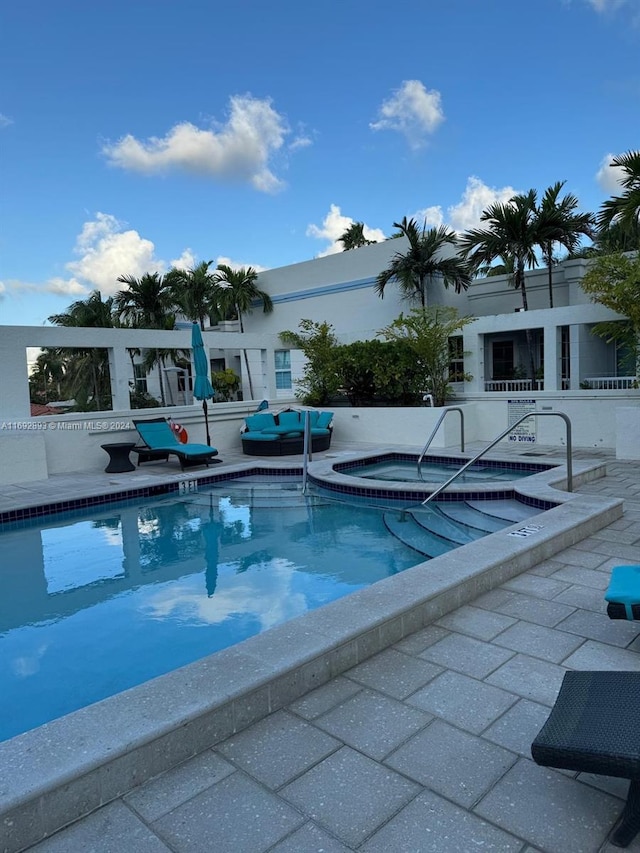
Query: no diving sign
524, 433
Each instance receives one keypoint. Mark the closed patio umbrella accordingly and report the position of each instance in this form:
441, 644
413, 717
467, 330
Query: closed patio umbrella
202, 387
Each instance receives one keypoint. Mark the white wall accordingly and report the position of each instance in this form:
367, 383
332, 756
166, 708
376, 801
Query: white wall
69, 443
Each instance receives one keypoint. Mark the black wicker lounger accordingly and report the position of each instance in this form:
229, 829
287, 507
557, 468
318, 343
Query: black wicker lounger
160, 442
594, 727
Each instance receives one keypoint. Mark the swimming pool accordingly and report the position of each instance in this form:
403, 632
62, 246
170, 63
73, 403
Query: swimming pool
403, 468
86, 758
88, 602
95, 602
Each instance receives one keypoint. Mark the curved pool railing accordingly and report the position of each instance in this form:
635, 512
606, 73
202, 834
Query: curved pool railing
502, 435
435, 430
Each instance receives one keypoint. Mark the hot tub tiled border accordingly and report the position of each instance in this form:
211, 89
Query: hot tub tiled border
533, 467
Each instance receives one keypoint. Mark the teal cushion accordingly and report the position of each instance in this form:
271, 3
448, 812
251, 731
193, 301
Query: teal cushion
156, 434
189, 449
259, 436
313, 417
289, 419
283, 430
624, 587
318, 431
259, 421
324, 419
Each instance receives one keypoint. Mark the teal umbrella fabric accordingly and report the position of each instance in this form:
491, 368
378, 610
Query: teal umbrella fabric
202, 387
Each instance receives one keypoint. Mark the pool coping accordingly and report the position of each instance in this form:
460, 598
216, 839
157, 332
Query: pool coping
63, 770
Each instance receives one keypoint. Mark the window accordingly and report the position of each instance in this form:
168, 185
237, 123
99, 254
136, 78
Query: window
502, 357
140, 378
456, 359
283, 369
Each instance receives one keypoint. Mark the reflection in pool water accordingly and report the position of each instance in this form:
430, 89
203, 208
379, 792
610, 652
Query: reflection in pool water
90, 607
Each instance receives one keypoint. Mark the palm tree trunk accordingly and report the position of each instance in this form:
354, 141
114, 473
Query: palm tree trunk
549, 259
162, 396
520, 283
246, 357
96, 389
423, 295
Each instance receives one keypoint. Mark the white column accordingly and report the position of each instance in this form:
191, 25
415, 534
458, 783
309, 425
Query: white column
552, 358
574, 356
119, 373
473, 344
14, 387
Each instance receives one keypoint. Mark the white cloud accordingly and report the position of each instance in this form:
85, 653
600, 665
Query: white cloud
66, 287
412, 110
186, 261
609, 176
432, 217
475, 199
300, 142
236, 265
333, 227
106, 252
5, 121
240, 149
606, 5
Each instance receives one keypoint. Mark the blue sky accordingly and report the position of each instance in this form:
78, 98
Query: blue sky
136, 134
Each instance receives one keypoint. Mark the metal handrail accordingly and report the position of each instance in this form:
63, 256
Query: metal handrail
307, 449
509, 429
435, 430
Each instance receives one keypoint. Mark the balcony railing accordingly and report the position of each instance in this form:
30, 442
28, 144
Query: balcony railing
514, 385
609, 383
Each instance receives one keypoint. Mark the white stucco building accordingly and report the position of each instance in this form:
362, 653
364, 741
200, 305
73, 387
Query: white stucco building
339, 289
577, 372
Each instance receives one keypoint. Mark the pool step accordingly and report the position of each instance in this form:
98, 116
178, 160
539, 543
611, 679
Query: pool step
432, 531
254, 494
433, 520
405, 528
509, 510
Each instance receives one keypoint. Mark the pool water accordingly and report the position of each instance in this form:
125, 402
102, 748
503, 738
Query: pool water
90, 606
405, 471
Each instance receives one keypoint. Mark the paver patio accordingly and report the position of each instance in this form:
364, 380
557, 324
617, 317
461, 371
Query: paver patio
424, 747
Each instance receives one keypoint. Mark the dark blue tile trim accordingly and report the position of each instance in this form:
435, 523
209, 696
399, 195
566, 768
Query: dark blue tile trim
530, 467
12, 518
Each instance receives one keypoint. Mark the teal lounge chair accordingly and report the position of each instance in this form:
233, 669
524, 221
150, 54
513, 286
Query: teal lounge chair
160, 442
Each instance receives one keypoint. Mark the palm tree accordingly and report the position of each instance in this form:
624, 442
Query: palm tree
560, 224
516, 229
91, 312
147, 303
513, 234
505, 267
353, 237
47, 376
424, 261
87, 368
617, 238
194, 292
624, 208
237, 291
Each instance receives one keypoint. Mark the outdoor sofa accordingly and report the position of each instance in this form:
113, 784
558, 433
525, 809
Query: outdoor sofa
159, 442
269, 434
